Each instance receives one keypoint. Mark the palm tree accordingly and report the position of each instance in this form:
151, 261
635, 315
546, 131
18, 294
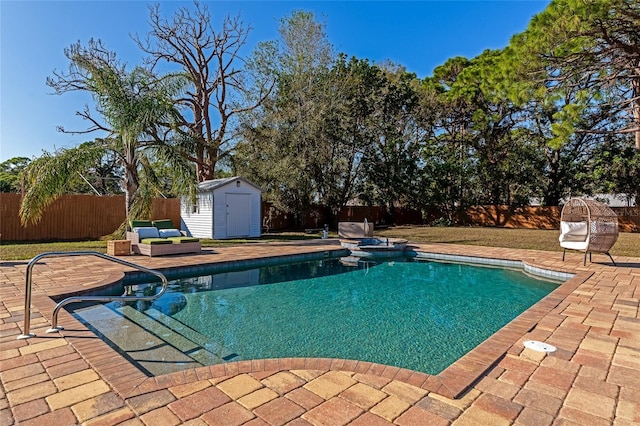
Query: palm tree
133, 105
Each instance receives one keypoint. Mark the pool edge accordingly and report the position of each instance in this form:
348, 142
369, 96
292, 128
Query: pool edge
452, 382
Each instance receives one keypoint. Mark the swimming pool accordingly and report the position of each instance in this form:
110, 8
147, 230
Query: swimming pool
419, 315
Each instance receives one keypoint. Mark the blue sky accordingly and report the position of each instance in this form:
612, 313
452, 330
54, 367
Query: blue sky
420, 35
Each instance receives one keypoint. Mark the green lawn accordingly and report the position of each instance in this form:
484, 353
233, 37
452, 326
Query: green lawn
27, 250
627, 244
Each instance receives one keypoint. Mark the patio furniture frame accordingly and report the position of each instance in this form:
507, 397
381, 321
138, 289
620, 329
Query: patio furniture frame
161, 249
589, 226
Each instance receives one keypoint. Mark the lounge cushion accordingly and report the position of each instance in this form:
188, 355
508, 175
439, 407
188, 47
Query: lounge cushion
140, 224
573, 231
163, 224
570, 238
156, 241
574, 245
147, 232
574, 228
166, 233
152, 236
180, 240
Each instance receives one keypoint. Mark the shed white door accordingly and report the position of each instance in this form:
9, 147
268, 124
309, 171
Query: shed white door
238, 215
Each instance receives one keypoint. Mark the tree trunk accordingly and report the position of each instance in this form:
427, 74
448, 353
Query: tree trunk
131, 182
552, 194
131, 187
635, 105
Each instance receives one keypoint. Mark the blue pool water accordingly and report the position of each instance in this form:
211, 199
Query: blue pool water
413, 314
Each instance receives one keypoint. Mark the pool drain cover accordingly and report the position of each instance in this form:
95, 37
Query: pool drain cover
539, 346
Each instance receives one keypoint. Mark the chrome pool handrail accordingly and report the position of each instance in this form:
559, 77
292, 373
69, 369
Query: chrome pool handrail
54, 320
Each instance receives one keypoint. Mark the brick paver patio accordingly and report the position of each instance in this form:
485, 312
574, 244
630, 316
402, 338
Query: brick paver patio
75, 378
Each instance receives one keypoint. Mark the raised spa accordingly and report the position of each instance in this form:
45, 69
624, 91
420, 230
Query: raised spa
375, 246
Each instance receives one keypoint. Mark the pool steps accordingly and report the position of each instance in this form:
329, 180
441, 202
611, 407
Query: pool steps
167, 351
146, 349
221, 354
174, 338
149, 342
85, 298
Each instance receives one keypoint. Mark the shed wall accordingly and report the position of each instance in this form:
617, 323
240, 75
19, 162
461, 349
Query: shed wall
200, 223
256, 214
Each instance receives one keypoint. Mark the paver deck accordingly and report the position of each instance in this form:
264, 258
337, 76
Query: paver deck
75, 378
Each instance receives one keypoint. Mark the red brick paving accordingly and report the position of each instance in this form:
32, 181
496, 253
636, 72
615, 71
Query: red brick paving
593, 378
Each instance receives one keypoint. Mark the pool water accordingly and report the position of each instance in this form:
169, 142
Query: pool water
418, 315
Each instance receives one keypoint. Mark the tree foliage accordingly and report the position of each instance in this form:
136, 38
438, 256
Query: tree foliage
616, 168
286, 139
389, 160
554, 114
504, 127
50, 175
10, 173
131, 106
593, 45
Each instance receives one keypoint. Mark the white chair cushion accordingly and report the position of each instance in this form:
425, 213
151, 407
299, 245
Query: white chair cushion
574, 245
572, 238
574, 228
147, 232
166, 233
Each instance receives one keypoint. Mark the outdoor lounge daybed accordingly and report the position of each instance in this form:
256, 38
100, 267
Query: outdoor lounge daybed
588, 226
159, 238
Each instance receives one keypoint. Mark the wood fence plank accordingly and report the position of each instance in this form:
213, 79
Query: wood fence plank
89, 217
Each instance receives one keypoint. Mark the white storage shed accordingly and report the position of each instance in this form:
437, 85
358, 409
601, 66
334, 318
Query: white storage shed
224, 209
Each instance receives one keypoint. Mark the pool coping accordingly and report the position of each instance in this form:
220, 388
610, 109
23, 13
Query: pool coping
128, 381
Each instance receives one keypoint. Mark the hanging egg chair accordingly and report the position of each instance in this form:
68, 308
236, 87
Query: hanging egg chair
588, 226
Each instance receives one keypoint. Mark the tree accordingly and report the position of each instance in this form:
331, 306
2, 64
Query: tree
219, 89
447, 172
287, 139
99, 173
567, 112
391, 159
105, 176
564, 169
132, 105
616, 168
347, 131
592, 44
493, 159
50, 176
511, 160
10, 172
441, 165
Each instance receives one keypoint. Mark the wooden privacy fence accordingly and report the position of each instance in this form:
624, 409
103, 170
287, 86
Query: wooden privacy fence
628, 218
75, 217
318, 216
511, 217
536, 217
528, 217
89, 217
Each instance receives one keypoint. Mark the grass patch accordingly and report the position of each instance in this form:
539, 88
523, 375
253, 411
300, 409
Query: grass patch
28, 250
627, 244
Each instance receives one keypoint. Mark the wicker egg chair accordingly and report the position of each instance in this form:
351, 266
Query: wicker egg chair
589, 226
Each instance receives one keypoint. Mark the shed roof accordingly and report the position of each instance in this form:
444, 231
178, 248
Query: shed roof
210, 185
